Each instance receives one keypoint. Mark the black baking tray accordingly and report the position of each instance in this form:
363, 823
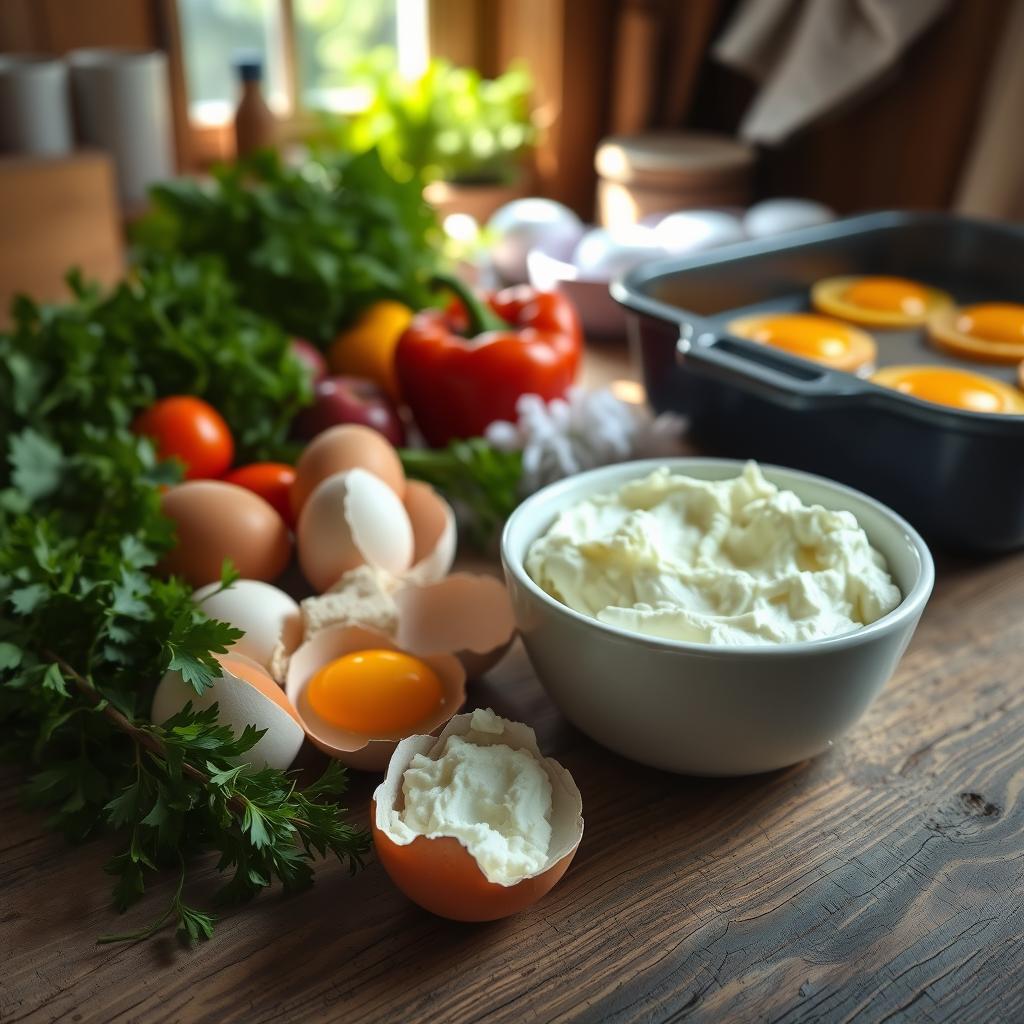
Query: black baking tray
957, 475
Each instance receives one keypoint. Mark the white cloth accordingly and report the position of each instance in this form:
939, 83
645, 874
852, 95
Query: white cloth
811, 56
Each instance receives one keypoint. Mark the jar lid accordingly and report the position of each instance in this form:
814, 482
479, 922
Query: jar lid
680, 157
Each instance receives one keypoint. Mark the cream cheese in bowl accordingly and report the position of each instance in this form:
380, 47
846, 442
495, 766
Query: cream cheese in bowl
733, 561
730, 550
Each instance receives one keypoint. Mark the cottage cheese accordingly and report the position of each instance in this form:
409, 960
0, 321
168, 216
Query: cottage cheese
733, 561
495, 800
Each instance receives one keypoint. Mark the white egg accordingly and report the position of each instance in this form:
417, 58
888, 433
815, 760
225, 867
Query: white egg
268, 615
775, 216
604, 253
526, 224
352, 519
694, 230
250, 699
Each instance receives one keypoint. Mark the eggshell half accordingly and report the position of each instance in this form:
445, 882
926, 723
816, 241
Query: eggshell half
252, 699
342, 448
216, 520
470, 616
353, 519
433, 531
351, 748
441, 875
268, 615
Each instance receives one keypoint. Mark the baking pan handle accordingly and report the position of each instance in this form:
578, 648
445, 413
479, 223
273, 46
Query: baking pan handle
760, 370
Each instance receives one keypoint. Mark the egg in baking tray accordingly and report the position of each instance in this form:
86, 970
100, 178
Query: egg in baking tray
988, 331
952, 386
821, 339
879, 301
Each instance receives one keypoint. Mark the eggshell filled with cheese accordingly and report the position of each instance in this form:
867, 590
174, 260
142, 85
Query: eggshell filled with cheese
245, 695
353, 519
340, 449
268, 616
368, 748
215, 521
439, 872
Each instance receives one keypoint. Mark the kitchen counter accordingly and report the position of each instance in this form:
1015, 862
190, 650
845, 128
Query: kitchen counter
883, 881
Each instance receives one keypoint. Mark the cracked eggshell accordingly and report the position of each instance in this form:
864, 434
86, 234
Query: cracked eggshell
441, 875
352, 519
342, 448
267, 614
433, 530
351, 748
470, 616
245, 695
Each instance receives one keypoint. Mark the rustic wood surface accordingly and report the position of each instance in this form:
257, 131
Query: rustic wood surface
883, 881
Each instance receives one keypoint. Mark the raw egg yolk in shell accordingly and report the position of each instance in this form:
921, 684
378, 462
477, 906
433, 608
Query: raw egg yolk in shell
947, 386
878, 301
819, 338
376, 693
993, 331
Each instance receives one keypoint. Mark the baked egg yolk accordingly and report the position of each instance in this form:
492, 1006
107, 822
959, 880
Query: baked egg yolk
375, 693
948, 386
877, 301
993, 331
819, 338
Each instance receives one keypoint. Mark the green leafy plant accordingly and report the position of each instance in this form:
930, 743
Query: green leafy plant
449, 123
87, 629
309, 247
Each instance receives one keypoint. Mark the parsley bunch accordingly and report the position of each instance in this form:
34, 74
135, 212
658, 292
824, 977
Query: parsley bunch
87, 629
309, 247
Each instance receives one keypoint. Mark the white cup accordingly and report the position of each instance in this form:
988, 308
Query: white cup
35, 109
122, 104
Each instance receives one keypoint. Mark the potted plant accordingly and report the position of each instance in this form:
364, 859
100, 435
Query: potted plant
468, 138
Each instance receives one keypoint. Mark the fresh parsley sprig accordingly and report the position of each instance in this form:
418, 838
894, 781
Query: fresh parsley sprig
87, 627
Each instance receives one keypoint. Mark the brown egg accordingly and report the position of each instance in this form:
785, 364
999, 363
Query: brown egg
342, 448
215, 521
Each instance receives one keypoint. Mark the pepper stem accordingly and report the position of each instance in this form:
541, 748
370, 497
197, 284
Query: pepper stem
481, 317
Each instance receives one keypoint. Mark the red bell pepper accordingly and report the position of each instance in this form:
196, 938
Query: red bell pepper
522, 341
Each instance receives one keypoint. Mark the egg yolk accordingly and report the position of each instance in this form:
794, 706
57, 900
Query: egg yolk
993, 321
375, 693
949, 387
889, 294
814, 337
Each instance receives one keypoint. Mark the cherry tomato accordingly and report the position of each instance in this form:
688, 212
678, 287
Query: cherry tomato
272, 481
191, 430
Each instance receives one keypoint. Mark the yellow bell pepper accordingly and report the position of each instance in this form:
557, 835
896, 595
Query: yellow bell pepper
367, 348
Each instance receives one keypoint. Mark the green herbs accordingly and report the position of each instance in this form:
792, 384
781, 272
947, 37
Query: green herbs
308, 247
87, 629
173, 328
450, 123
481, 481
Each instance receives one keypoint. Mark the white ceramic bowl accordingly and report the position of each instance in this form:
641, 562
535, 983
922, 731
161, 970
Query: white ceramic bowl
707, 709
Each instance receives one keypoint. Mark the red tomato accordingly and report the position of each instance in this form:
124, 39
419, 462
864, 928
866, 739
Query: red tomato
191, 430
272, 481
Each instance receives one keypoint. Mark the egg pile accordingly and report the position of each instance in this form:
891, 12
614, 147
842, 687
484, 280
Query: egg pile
384, 652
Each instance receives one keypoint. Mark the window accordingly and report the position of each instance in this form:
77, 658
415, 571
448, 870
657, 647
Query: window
307, 47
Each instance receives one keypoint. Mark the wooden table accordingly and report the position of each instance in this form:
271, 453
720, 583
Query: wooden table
883, 881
